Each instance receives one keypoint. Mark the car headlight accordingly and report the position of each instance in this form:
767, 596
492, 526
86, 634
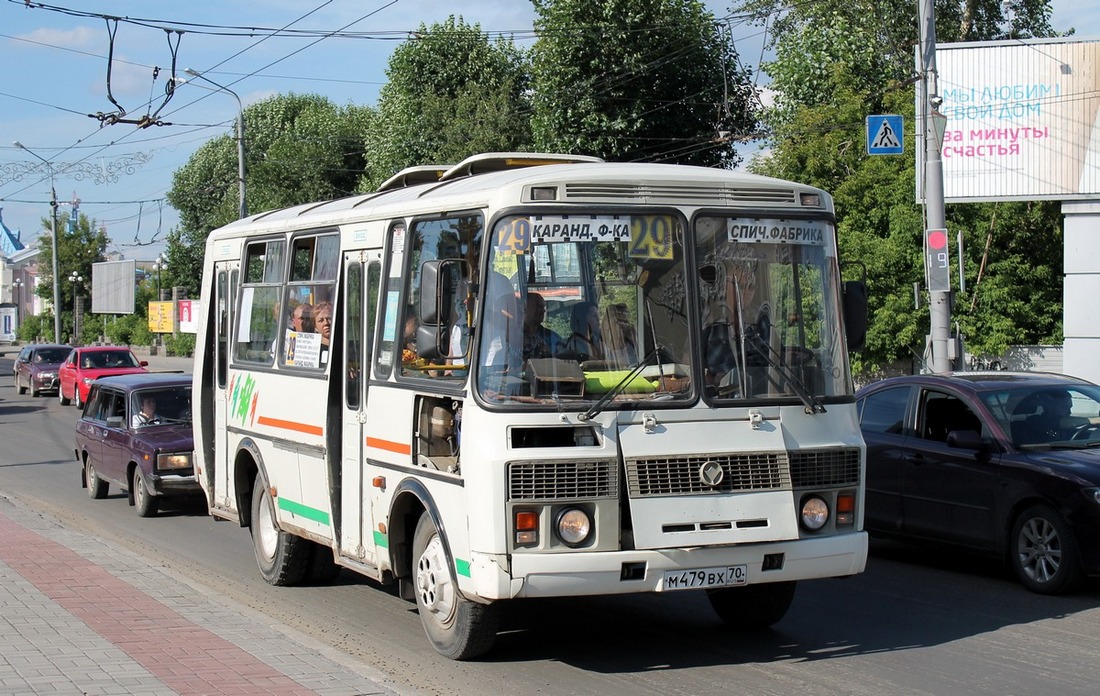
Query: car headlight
88, 380
815, 513
1092, 494
573, 526
178, 460
47, 375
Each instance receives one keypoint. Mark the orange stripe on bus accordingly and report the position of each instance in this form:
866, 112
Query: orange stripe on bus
399, 447
291, 425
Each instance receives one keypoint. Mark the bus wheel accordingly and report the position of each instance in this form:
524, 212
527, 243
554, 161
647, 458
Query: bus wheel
457, 628
283, 558
752, 606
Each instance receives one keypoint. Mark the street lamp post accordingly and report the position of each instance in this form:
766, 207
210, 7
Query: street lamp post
161, 264
53, 236
17, 285
76, 279
243, 209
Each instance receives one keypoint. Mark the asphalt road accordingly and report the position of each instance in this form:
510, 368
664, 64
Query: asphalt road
919, 621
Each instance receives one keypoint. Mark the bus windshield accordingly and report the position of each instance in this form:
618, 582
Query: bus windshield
595, 308
769, 316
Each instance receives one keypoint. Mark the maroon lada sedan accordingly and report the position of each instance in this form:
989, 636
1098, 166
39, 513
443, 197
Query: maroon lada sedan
135, 433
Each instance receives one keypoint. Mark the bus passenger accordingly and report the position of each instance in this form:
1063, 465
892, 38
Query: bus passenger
322, 318
586, 340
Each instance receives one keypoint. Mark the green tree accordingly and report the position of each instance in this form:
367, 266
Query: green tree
79, 245
298, 149
835, 63
452, 93
638, 80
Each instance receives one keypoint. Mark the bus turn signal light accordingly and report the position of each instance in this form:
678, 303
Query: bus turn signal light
845, 508
527, 526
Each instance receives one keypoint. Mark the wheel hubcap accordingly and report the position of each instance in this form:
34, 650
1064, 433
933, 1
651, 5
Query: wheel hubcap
433, 582
267, 533
1040, 550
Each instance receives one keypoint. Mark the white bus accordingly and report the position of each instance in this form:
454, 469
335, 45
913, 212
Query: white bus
538, 376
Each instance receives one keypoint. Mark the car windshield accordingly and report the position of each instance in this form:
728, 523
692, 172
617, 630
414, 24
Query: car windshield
106, 359
51, 355
1048, 415
161, 406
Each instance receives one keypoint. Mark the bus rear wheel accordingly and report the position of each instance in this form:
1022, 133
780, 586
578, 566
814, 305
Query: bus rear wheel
752, 606
282, 558
456, 627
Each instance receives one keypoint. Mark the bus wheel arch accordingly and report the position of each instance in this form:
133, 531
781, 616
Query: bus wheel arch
247, 465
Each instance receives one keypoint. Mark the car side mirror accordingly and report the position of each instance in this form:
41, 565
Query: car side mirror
965, 439
143, 363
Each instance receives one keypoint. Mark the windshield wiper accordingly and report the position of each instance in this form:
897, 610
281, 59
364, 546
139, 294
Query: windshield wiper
812, 403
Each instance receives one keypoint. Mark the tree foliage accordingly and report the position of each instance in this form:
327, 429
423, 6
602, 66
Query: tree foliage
638, 80
298, 149
79, 245
452, 93
835, 64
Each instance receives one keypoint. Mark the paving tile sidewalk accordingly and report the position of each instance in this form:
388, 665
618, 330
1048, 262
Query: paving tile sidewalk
148, 632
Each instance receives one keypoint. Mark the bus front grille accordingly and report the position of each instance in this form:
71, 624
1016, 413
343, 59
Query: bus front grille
827, 467
562, 480
750, 471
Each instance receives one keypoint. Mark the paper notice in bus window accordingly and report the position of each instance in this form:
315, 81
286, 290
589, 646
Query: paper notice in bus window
651, 237
580, 228
389, 325
244, 328
303, 349
776, 231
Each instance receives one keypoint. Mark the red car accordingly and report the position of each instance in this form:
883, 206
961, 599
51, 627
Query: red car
85, 365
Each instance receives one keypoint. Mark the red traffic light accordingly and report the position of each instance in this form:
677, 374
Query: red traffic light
937, 239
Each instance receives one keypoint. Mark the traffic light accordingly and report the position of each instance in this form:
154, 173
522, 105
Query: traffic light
937, 266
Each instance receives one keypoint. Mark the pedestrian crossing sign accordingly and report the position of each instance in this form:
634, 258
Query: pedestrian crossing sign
884, 135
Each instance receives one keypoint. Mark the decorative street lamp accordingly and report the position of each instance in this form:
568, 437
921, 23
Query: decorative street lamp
161, 264
53, 237
76, 279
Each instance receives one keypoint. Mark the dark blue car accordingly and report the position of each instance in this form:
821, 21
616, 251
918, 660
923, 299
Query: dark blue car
1003, 463
135, 433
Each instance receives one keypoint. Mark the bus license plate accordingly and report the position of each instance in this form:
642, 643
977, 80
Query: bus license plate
705, 577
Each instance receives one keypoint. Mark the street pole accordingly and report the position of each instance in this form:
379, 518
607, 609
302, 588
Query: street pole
242, 211
939, 304
53, 237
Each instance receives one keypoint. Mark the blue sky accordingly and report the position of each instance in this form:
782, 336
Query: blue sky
55, 72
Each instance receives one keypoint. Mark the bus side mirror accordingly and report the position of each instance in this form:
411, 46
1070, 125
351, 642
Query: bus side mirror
438, 284
854, 299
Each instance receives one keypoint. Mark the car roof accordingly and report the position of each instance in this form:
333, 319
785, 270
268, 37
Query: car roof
97, 349
41, 346
981, 381
144, 380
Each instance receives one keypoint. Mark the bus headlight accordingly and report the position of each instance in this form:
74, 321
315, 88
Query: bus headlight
815, 513
573, 526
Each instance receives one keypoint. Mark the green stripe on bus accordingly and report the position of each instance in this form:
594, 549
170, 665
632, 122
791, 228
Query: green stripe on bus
381, 539
304, 511
462, 567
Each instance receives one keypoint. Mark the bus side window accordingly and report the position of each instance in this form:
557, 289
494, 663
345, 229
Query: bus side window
258, 325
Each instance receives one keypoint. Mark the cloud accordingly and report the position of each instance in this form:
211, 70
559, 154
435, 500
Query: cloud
79, 38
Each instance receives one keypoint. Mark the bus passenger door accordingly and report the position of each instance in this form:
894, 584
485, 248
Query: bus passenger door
225, 292
362, 271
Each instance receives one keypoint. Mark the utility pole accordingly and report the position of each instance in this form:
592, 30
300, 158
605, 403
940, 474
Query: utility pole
939, 303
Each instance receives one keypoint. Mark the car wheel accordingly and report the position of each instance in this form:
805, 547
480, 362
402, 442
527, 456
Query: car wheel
20, 388
283, 558
456, 627
145, 502
61, 398
35, 393
76, 397
1044, 553
752, 606
97, 487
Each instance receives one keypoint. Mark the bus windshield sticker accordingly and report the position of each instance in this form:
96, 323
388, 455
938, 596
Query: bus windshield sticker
580, 228
651, 237
776, 231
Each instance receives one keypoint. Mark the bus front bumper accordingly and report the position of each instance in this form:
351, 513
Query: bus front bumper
627, 572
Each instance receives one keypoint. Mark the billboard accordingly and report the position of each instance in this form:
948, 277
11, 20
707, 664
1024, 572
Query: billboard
113, 284
1022, 120
160, 317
